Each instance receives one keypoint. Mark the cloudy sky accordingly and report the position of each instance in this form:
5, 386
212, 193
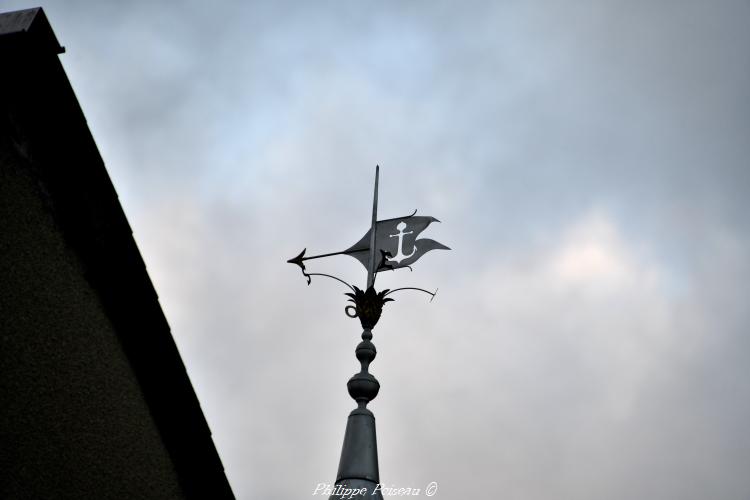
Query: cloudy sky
588, 161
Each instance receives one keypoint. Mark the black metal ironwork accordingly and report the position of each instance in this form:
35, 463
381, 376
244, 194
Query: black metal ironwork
299, 261
380, 239
368, 306
358, 467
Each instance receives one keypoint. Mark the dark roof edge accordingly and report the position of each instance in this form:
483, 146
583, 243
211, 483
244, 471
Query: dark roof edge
30, 23
85, 206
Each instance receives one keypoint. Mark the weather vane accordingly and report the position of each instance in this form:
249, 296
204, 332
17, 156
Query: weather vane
388, 245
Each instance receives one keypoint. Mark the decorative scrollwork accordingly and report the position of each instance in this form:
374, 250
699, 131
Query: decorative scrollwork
353, 314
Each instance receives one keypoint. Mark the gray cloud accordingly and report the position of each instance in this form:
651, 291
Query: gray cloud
588, 162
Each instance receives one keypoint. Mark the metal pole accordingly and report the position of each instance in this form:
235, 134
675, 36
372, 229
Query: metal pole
371, 269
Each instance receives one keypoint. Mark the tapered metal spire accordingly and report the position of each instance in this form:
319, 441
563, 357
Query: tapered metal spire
358, 466
388, 245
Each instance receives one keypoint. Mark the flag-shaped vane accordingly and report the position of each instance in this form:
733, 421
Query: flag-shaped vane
388, 244
396, 243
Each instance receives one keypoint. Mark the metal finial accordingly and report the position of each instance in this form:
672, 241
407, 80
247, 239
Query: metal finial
388, 245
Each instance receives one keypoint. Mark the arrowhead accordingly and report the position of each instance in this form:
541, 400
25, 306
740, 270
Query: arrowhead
298, 259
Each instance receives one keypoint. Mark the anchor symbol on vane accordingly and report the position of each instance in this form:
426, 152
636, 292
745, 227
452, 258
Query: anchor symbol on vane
400, 255
375, 252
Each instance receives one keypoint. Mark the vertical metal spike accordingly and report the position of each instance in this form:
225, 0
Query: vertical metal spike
371, 268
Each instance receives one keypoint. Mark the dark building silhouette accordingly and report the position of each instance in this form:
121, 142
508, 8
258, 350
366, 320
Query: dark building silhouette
95, 402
